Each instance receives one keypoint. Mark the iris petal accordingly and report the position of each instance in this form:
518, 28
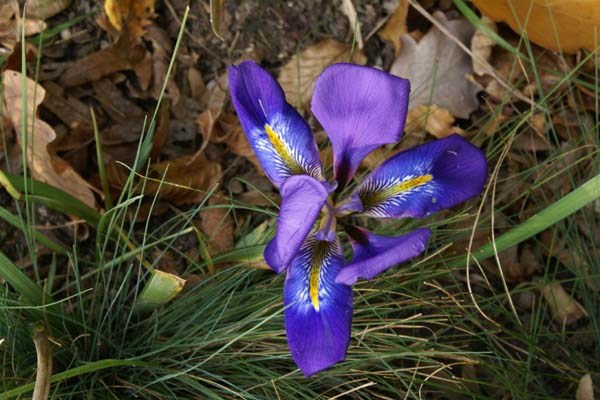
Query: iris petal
428, 178
374, 254
360, 108
318, 311
302, 200
281, 139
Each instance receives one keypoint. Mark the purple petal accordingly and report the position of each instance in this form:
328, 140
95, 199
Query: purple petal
360, 108
428, 178
281, 139
302, 200
374, 254
318, 311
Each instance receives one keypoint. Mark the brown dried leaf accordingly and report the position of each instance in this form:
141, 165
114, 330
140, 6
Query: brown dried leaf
396, 26
563, 308
44, 9
437, 68
217, 225
46, 167
188, 179
11, 25
162, 49
585, 389
214, 99
130, 15
230, 132
350, 13
481, 46
437, 121
123, 55
297, 77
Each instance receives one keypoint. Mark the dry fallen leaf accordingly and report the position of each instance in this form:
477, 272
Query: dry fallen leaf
230, 131
563, 308
133, 15
481, 46
350, 13
585, 389
11, 25
437, 121
556, 25
46, 167
44, 9
187, 180
217, 225
437, 68
123, 55
297, 77
396, 26
214, 99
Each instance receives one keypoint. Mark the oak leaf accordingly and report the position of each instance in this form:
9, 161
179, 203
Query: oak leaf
45, 167
437, 68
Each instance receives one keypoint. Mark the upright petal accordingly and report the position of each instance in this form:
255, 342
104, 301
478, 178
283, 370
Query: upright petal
374, 254
360, 108
281, 139
318, 311
302, 200
428, 178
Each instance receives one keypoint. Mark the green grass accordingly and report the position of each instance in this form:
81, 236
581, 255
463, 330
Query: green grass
434, 328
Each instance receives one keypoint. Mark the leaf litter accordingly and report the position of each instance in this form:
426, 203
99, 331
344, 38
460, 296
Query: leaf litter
118, 67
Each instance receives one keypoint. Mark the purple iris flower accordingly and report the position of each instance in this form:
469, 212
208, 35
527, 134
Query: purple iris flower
360, 108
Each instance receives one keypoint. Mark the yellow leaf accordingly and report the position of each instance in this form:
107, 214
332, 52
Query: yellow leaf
574, 21
133, 15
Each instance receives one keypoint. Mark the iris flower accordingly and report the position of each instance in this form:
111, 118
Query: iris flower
360, 108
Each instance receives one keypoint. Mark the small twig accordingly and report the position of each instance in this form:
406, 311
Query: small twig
44, 364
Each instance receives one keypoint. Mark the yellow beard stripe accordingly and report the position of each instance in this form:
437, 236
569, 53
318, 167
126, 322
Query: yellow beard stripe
282, 150
315, 271
379, 197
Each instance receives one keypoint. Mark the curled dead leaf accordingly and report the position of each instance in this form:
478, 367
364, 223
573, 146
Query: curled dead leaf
585, 389
217, 225
123, 55
297, 77
563, 308
46, 167
481, 46
396, 26
437, 121
187, 179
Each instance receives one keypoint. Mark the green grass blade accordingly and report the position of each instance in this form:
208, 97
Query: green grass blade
77, 371
16, 278
49, 196
44, 240
578, 198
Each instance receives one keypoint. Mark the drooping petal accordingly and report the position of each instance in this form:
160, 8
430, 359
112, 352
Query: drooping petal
281, 139
360, 108
428, 178
318, 311
302, 200
374, 254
